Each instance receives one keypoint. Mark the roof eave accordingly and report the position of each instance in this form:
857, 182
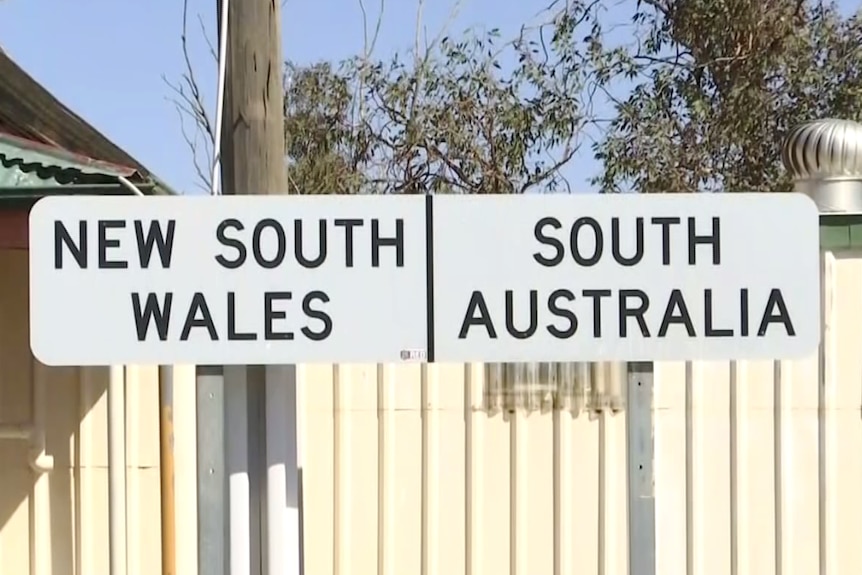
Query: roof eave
36, 192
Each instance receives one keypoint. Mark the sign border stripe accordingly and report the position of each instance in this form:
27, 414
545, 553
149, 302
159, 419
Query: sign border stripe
429, 279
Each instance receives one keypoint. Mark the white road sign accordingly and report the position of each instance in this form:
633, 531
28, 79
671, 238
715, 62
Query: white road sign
227, 280
547, 278
288, 279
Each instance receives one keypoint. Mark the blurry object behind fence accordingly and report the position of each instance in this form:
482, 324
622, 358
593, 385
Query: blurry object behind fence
574, 387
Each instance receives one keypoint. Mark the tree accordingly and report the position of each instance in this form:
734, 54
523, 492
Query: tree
447, 121
701, 95
718, 86
472, 114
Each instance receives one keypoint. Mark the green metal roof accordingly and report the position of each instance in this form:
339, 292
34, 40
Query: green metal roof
28, 164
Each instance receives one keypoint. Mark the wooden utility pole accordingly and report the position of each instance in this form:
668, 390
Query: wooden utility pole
252, 162
253, 127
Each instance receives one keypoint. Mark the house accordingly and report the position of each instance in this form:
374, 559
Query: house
54, 421
47, 149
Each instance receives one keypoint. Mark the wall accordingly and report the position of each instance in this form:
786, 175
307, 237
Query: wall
758, 466
13, 227
55, 522
405, 472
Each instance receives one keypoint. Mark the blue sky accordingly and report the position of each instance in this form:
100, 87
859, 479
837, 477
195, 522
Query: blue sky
105, 58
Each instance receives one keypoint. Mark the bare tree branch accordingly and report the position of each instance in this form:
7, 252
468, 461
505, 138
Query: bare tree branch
205, 35
189, 103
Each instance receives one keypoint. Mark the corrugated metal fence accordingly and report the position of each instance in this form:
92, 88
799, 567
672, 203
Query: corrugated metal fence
409, 469
757, 467
54, 455
406, 471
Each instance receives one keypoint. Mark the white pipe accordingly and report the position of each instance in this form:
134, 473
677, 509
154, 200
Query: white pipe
117, 469
40, 461
222, 73
135, 190
236, 464
117, 454
41, 525
282, 475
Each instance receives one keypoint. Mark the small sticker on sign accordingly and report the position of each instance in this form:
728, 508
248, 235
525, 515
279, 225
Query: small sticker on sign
413, 355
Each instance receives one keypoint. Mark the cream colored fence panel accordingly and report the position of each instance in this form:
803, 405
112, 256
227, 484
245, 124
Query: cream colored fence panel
405, 472
758, 465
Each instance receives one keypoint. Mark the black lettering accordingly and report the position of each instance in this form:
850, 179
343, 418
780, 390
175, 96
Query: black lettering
539, 234
234, 243
378, 242
597, 295
78, 251
199, 306
665, 224
776, 312
708, 329
280, 242
270, 315
163, 242
152, 311
744, 320
574, 244
477, 304
636, 312
105, 242
568, 315
676, 313
510, 315
348, 225
317, 314
321, 245
711, 239
639, 243
232, 333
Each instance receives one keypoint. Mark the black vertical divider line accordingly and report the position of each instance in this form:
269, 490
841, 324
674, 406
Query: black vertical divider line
429, 278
